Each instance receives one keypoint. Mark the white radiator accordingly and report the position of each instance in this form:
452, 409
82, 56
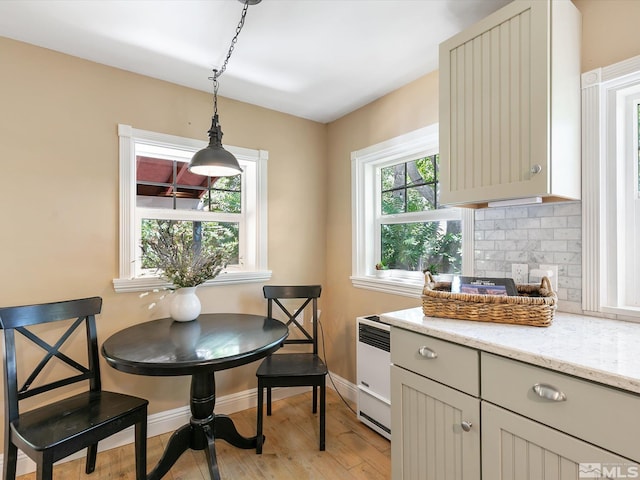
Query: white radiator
374, 374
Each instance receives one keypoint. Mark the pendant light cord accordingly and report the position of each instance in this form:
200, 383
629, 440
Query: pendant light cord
217, 73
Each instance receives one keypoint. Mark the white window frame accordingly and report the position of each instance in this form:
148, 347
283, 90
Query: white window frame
254, 216
610, 218
365, 203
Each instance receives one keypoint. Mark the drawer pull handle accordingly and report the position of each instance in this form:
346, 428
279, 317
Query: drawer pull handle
466, 426
549, 392
426, 352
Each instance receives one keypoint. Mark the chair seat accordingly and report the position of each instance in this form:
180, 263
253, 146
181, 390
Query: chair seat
41, 428
292, 365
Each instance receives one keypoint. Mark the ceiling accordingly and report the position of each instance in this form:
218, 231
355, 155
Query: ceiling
316, 59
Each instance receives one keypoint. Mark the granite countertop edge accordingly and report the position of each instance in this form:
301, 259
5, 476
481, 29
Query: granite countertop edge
596, 349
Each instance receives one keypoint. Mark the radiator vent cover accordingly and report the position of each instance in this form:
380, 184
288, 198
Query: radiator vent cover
374, 336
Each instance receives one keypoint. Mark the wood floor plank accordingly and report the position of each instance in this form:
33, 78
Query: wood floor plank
353, 451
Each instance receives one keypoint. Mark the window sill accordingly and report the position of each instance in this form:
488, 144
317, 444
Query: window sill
391, 285
623, 313
144, 284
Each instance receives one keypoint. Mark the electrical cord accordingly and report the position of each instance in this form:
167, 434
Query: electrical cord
324, 354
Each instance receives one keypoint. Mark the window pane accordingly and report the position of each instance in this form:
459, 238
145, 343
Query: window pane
168, 184
410, 186
393, 202
421, 245
205, 235
421, 198
225, 196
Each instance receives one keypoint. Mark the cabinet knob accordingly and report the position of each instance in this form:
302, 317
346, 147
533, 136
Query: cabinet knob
427, 352
549, 392
466, 426
536, 169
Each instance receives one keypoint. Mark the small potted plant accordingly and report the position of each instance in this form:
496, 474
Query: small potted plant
382, 269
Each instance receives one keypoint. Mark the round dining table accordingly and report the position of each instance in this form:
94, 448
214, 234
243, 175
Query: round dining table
198, 348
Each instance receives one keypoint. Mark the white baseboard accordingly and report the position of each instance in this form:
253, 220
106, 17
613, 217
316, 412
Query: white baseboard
171, 420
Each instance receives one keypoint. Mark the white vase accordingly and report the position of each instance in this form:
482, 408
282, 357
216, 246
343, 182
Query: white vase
185, 305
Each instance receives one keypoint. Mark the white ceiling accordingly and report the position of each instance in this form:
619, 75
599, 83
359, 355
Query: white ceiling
316, 59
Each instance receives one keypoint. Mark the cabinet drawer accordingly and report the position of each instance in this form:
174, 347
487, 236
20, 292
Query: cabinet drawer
442, 361
590, 411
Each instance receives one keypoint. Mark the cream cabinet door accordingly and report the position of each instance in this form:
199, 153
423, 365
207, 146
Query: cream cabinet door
516, 448
435, 430
510, 104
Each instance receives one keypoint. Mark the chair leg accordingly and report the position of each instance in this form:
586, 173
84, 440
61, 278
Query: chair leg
268, 401
259, 419
314, 408
323, 403
141, 448
92, 452
44, 467
10, 460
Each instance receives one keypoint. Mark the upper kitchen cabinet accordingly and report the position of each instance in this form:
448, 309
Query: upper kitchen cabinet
510, 106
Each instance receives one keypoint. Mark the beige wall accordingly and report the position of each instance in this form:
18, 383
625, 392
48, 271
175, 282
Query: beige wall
609, 35
59, 195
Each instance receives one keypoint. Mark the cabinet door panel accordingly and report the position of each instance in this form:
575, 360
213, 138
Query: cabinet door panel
428, 440
516, 448
495, 100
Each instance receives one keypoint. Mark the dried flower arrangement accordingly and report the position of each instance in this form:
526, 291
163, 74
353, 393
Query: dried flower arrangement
179, 259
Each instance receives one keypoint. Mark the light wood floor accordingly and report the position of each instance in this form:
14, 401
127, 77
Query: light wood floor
290, 452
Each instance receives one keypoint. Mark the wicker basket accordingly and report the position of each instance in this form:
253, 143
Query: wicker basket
534, 305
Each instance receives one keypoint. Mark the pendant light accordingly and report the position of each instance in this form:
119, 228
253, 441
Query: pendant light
214, 160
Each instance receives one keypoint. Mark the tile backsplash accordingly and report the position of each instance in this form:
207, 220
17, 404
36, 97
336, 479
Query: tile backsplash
548, 234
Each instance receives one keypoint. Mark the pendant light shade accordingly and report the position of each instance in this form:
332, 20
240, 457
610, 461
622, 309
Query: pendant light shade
214, 160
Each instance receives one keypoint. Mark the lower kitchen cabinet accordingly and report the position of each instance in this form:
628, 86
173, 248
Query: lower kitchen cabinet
435, 429
537, 423
516, 448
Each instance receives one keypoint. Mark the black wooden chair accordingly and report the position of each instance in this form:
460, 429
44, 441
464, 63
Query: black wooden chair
57, 429
293, 369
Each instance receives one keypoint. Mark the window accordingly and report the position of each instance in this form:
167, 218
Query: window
611, 203
156, 186
398, 219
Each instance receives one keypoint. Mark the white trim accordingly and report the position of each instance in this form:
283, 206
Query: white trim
254, 234
170, 420
602, 283
364, 165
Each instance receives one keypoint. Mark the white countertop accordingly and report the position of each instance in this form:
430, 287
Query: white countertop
597, 349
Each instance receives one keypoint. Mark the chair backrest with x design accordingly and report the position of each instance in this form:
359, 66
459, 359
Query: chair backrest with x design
309, 295
17, 319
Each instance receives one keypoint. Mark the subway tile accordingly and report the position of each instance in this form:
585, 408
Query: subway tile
516, 212
528, 223
553, 222
507, 224
541, 210
540, 234
517, 257
553, 245
485, 225
574, 221
516, 234
494, 213
568, 208
569, 258
574, 246
494, 235
567, 234
485, 245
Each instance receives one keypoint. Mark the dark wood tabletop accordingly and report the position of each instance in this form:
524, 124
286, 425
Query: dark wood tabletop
198, 348
214, 341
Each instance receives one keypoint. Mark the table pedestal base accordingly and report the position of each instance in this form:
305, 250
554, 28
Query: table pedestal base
202, 431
